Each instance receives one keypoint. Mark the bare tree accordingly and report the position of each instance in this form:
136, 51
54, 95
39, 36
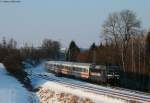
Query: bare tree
119, 29
50, 48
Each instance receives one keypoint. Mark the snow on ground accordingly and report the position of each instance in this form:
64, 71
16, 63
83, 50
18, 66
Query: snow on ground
52, 86
11, 91
60, 88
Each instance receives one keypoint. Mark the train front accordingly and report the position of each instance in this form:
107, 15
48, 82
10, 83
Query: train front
113, 74
104, 74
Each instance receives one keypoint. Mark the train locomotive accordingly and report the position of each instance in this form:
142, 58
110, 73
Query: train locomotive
86, 71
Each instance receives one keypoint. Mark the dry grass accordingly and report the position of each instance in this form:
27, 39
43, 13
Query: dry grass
47, 96
131, 101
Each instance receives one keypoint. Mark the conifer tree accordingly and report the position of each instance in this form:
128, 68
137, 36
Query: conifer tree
93, 47
72, 52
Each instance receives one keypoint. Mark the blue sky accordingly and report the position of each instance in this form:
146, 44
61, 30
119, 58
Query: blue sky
64, 20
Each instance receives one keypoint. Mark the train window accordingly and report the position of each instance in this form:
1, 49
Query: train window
67, 67
58, 66
86, 70
83, 70
61, 66
76, 69
73, 68
79, 69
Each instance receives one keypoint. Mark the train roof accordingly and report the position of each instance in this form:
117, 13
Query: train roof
73, 64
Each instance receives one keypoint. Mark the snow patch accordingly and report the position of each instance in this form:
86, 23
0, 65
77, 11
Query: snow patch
2, 69
11, 91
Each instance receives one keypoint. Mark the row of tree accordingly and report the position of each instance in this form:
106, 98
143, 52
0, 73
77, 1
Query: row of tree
14, 58
124, 44
48, 50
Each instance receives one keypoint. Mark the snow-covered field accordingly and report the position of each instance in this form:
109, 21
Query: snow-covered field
61, 88
11, 91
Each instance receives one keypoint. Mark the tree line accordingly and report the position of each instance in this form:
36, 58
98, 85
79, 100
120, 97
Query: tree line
124, 44
14, 58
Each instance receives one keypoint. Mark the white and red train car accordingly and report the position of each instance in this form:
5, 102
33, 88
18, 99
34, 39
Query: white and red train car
88, 71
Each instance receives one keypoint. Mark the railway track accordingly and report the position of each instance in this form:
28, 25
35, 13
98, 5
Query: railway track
117, 93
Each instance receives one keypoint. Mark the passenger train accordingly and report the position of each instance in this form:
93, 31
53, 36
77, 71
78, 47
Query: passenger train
86, 71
